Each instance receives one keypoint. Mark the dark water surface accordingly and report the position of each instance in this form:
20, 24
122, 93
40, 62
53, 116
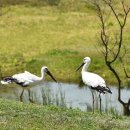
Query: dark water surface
70, 95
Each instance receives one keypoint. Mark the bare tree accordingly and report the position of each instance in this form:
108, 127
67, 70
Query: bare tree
113, 48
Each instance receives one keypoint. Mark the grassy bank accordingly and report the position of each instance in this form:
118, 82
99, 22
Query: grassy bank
16, 115
33, 36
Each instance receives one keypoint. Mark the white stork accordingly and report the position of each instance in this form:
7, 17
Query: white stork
94, 81
25, 79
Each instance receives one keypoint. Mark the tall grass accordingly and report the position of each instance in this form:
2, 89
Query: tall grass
49, 98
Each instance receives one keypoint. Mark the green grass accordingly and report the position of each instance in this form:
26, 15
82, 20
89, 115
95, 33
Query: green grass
34, 36
16, 115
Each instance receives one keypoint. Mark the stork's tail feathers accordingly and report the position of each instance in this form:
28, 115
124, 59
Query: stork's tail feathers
7, 80
108, 90
4, 82
102, 89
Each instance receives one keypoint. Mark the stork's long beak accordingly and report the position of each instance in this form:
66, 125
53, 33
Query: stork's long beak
80, 66
49, 73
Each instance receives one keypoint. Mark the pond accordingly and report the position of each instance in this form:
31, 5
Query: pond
65, 94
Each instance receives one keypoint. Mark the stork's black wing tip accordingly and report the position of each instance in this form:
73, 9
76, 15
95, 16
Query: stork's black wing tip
110, 92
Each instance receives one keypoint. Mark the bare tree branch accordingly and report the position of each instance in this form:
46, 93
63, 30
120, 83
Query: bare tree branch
124, 7
108, 2
120, 58
113, 52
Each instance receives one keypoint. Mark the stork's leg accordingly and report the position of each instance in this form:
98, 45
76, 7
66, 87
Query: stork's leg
93, 100
21, 96
100, 103
29, 96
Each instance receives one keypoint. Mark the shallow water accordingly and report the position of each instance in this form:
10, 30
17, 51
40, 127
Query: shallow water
71, 94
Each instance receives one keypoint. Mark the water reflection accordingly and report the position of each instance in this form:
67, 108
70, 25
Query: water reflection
70, 95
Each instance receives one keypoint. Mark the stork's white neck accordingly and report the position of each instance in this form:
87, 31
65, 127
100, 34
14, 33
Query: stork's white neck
85, 67
42, 75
